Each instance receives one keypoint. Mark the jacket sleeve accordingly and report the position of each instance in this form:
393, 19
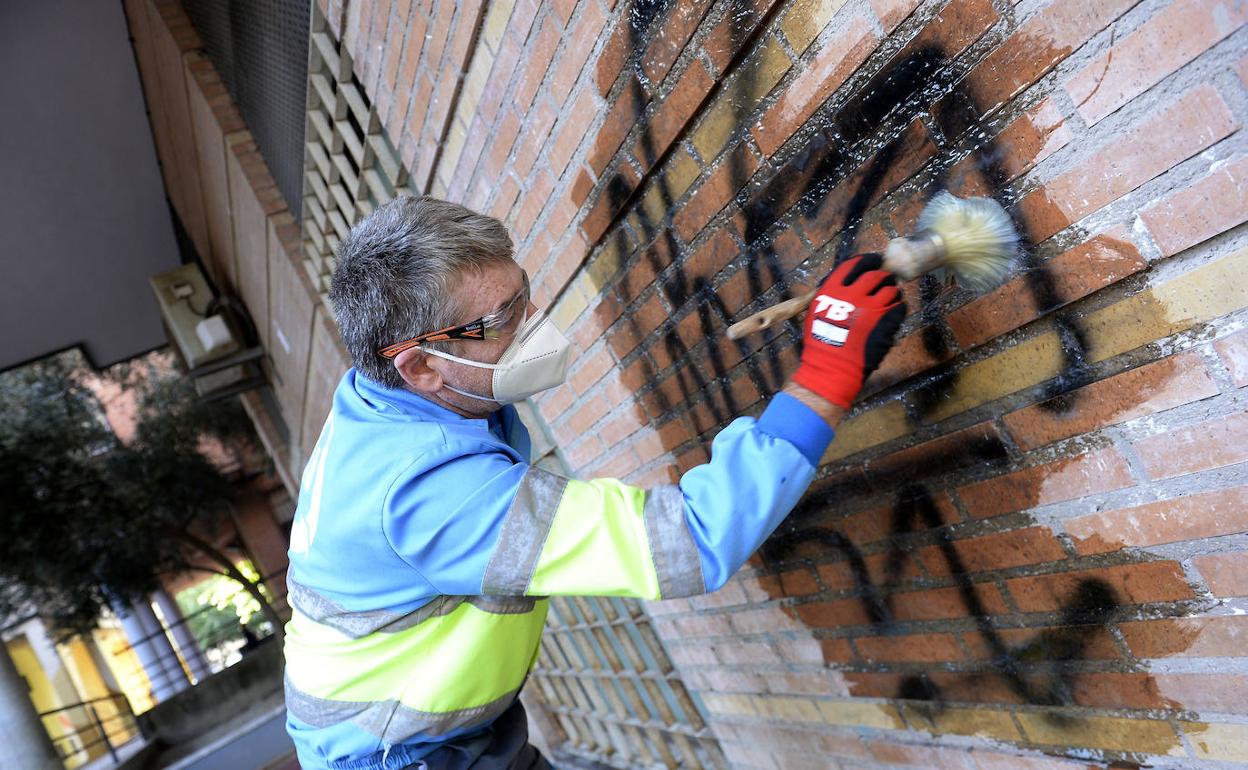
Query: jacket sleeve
482, 524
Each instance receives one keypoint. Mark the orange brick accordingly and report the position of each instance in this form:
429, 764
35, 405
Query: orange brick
1170, 382
1093, 642
1212, 205
1157, 581
1204, 637
1234, 353
914, 648
715, 192
1182, 518
618, 123
1163, 139
577, 46
826, 72
1001, 550
893, 12
1205, 692
614, 54
909, 356
677, 29
1034, 136
945, 603
1088, 474
1038, 45
1226, 574
1179, 33
976, 445
1074, 274
831, 614
1118, 691
675, 111
1210, 444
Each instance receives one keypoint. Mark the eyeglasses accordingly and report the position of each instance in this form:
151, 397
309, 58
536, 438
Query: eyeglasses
490, 326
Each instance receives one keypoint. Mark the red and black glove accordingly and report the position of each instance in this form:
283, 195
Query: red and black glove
850, 325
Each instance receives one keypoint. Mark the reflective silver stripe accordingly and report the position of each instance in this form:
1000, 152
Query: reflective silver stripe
675, 554
327, 612
389, 720
524, 533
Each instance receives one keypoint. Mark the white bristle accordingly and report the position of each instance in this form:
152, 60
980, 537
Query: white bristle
979, 237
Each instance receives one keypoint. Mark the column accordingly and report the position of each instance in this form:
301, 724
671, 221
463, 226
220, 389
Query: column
188, 645
23, 741
152, 647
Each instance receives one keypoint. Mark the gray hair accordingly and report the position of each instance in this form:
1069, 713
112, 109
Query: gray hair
394, 272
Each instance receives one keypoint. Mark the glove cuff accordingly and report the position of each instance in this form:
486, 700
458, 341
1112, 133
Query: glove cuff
834, 386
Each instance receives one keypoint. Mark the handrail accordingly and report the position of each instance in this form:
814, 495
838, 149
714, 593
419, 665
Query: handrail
96, 725
110, 697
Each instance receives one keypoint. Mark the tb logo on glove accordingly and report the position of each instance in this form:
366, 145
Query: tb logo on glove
831, 309
850, 325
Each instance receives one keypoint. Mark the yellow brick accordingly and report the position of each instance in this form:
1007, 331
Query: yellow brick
607, 263
654, 204
805, 19
496, 22
1195, 297
571, 305
1214, 741
790, 709
679, 173
728, 704
1137, 735
1021, 366
734, 105
868, 429
984, 723
865, 714
474, 85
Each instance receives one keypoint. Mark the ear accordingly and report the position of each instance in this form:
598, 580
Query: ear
413, 366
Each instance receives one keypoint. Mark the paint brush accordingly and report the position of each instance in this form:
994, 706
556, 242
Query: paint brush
971, 238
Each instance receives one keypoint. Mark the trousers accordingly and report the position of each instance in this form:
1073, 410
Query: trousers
504, 745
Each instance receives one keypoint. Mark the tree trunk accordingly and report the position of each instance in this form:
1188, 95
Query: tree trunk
233, 572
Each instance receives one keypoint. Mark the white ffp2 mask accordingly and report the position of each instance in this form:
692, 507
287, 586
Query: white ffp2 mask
537, 359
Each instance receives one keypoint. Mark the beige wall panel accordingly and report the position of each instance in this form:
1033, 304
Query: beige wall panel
325, 368
214, 182
251, 236
291, 311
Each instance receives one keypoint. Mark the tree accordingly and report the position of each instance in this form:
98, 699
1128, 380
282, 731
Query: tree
87, 521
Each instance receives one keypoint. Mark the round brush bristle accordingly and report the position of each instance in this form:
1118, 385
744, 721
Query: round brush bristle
979, 238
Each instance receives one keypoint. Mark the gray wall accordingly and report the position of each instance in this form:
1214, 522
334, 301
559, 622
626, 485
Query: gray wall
82, 204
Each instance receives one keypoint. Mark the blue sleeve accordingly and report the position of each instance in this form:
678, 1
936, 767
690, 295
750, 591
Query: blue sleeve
446, 521
757, 473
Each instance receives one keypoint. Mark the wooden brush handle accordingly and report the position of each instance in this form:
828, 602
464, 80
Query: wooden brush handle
906, 257
769, 317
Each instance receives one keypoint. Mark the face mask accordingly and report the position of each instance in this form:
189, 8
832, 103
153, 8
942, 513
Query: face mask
537, 359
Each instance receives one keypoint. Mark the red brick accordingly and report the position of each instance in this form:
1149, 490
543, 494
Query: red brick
1095, 643
973, 687
914, 149
1157, 581
1100, 262
1170, 382
1039, 44
675, 111
1241, 68
1176, 35
618, 123
909, 356
1211, 206
536, 61
831, 614
677, 28
614, 54
1226, 574
1034, 136
915, 648
1234, 353
724, 41
1182, 518
1118, 691
1210, 444
1204, 692
622, 182
578, 44
968, 447
715, 192
985, 761
579, 116
893, 12
585, 451
1204, 637
1098, 471
1163, 139
1002, 550
945, 603
822, 77
536, 127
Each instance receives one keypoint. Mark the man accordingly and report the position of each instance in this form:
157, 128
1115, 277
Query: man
424, 544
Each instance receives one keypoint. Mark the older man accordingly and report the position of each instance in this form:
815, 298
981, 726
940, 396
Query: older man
425, 543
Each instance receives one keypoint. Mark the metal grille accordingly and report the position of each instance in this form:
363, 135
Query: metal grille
260, 49
350, 167
606, 680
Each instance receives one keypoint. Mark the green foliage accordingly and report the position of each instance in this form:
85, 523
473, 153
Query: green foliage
85, 519
215, 608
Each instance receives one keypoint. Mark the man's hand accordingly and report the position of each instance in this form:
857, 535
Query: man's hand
850, 325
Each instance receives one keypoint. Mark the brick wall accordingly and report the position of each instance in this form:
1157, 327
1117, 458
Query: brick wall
1027, 539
